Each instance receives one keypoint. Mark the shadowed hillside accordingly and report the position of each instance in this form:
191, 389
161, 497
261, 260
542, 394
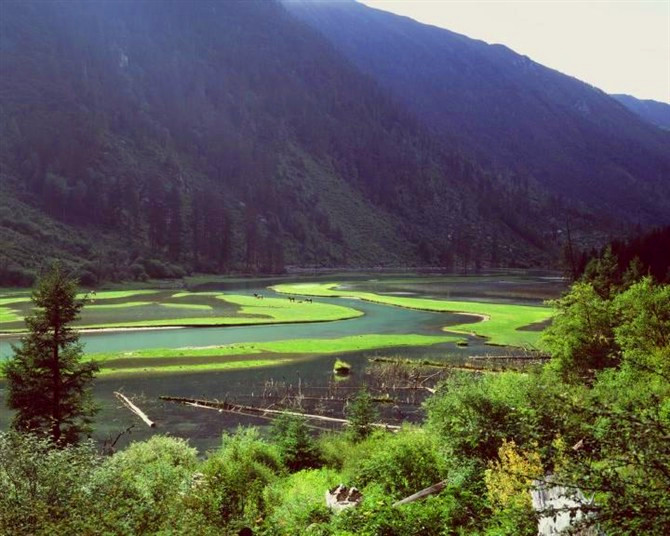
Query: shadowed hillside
566, 136
227, 135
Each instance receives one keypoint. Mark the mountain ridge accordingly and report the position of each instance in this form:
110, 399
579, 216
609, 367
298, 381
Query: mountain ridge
655, 112
512, 113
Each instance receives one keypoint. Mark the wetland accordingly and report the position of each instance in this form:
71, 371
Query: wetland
251, 340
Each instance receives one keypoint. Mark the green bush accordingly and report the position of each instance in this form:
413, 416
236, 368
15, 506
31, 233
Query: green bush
298, 502
230, 493
472, 415
401, 463
377, 517
42, 488
142, 487
361, 413
296, 446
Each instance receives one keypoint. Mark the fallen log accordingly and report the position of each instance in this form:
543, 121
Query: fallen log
435, 488
137, 411
253, 411
513, 357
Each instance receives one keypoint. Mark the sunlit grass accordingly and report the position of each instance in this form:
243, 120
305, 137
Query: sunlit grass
203, 367
250, 311
500, 322
18, 299
104, 306
351, 343
197, 306
9, 315
190, 294
113, 294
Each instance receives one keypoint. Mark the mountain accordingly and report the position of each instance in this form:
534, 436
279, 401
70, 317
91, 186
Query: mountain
513, 114
655, 112
153, 138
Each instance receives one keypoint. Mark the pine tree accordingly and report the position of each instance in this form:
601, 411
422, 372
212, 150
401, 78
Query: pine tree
47, 383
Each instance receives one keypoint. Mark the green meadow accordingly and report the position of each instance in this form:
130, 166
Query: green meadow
155, 308
290, 346
112, 362
201, 367
500, 323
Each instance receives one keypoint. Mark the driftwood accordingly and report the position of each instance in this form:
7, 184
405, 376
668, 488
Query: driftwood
260, 412
513, 357
137, 411
435, 488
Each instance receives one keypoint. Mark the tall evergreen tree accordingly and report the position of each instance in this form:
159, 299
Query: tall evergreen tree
48, 385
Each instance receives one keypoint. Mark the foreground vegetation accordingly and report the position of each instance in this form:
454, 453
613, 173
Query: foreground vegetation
594, 420
500, 323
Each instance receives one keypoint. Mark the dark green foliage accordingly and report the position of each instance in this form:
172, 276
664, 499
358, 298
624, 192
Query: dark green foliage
473, 414
401, 464
296, 446
141, 488
47, 384
230, 494
361, 413
42, 488
644, 254
187, 143
581, 335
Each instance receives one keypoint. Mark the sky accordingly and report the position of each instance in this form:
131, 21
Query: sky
619, 46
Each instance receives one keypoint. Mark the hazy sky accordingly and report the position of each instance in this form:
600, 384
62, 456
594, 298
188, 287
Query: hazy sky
618, 46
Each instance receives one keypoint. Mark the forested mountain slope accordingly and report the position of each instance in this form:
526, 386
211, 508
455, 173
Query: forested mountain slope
144, 138
655, 112
512, 113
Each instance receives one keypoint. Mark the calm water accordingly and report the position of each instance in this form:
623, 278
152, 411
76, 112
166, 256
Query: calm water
204, 427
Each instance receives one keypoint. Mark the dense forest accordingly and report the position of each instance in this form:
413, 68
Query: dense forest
151, 139
643, 254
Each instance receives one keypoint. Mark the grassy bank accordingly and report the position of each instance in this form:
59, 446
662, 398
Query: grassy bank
500, 322
122, 309
290, 346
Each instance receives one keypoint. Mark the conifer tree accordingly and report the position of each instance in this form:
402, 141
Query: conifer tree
47, 383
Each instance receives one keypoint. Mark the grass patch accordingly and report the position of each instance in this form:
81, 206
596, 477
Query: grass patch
18, 299
500, 323
9, 315
290, 346
281, 310
341, 367
189, 294
114, 294
225, 310
103, 306
204, 367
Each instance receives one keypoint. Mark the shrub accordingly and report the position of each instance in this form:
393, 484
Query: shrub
473, 415
361, 413
230, 494
297, 505
296, 446
42, 487
401, 463
142, 487
376, 516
